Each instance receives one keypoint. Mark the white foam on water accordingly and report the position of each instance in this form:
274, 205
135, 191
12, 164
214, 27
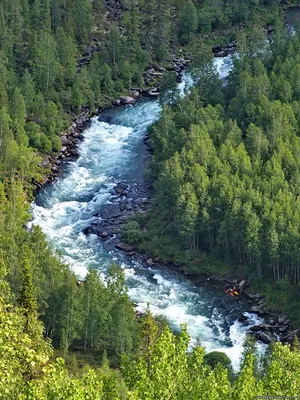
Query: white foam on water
185, 85
223, 65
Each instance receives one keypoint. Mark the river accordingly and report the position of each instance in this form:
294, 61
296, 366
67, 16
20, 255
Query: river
113, 152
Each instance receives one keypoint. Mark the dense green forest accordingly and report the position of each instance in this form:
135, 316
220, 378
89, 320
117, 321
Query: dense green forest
248, 143
42, 84
226, 169
161, 367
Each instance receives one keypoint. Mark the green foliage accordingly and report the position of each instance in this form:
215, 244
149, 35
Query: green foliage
226, 176
188, 21
131, 232
216, 357
161, 369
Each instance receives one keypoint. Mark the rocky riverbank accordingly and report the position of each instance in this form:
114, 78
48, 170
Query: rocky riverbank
276, 326
127, 199
70, 139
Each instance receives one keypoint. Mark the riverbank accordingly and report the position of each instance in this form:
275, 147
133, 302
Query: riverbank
153, 76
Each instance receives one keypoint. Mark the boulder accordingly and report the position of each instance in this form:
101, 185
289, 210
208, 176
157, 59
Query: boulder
255, 328
88, 230
254, 296
242, 318
126, 247
266, 327
282, 318
64, 140
270, 28
126, 100
265, 337
152, 93
150, 262
74, 152
81, 119
76, 135
216, 48
241, 285
283, 329
104, 235
256, 310
156, 73
45, 163
220, 54
159, 68
136, 94
121, 187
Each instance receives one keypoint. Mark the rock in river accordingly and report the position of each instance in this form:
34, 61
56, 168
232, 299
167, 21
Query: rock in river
126, 247
126, 100
242, 318
121, 187
265, 337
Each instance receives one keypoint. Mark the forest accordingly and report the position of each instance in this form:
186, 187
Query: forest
225, 166
226, 169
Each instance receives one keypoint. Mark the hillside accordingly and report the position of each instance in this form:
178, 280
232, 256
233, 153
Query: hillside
226, 154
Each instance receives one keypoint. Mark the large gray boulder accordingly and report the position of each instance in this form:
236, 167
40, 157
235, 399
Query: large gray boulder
256, 309
125, 247
241, 285
65, 141
282, 318
121, 187
124, 100
265, 337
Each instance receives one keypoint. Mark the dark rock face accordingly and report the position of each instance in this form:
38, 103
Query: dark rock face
88, 230
242, 318
255, 328
265, 337
223, 51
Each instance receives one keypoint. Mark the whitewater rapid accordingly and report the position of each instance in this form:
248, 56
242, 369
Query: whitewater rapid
111, 152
